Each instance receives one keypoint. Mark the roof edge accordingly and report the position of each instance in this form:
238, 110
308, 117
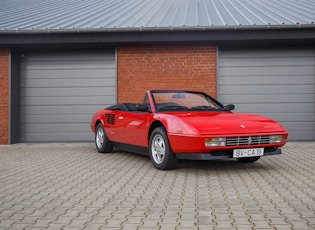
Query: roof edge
157, 29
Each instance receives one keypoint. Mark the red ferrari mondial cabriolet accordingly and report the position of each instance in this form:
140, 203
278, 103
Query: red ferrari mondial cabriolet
178, 124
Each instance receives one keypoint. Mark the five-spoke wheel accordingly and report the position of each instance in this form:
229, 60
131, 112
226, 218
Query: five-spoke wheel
160, 150
103, 145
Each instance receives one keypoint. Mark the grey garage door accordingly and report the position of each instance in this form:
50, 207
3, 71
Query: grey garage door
278, 83
60, 92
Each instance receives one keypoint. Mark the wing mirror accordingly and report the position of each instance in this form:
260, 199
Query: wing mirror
142, 108
229, 107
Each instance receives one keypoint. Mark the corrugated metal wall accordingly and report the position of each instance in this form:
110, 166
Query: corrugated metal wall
61, 91
278, 83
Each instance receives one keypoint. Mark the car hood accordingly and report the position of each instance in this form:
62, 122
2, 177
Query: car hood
228, 122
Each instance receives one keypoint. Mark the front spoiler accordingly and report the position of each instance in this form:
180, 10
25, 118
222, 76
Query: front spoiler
219, 155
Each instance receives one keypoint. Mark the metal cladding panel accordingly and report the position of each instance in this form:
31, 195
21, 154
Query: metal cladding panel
61, 91
278, 83
33, 15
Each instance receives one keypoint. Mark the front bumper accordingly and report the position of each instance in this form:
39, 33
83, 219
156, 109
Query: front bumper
220, 155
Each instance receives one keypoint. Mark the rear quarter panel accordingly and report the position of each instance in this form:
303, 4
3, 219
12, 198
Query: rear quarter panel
110, 127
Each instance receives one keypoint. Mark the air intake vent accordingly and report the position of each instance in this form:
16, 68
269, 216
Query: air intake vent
249, 140
110, 118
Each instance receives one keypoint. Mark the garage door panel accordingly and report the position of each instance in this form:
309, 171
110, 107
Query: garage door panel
265, 89
302, 135
79, 100
71, 56
76, 73
61, 91
66, 83
278, 83
52, 119
276, 108
299, 126
279, 98
57, 137
263, 80
65, 65
267, 53
270, 71
61, 110
265, 61
57, 128
291, 117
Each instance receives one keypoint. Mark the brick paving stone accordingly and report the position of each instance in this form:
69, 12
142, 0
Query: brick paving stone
206, 227
277, 221
152, 216
113, 223
241, 221
71, 186
63, 220
186, 228
262, 224
133, 220
243, 227
222, 224
148, 228
6, 223
25, 226
150, 224
173, 220
167, 226
298, 224
54, 226
205, 220
187, 224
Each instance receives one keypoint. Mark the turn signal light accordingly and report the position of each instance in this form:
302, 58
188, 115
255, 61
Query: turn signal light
214, 142
277, 139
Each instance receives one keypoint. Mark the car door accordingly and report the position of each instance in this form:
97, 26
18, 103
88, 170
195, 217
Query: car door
133, 127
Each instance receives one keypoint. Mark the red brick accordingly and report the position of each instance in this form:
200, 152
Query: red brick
165, 67
4, 95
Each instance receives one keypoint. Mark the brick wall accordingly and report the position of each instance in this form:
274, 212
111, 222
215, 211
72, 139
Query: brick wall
165, 67
4, 96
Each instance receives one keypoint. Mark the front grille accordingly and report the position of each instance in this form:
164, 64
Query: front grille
110, 118
247, 140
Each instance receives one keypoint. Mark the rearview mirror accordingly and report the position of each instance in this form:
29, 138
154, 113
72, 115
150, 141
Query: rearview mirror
178, 96
229, 107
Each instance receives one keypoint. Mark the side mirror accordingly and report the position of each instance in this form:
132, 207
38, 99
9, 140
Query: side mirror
229, 107
142, 108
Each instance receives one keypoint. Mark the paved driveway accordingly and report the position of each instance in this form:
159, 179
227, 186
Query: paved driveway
71, 186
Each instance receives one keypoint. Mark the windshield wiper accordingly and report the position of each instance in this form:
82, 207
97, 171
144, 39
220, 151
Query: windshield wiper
173, 107
203, 108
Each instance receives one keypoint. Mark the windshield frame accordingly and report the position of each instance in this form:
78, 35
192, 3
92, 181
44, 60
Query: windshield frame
213, 104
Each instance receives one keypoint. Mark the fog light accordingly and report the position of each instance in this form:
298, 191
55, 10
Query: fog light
277, 139
214, 142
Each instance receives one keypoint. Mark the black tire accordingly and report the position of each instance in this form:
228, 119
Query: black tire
248, 159
103, 145
161, 153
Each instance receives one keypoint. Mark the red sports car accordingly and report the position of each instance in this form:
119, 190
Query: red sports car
179, 124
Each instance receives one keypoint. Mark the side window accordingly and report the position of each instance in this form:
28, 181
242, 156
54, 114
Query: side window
146, 100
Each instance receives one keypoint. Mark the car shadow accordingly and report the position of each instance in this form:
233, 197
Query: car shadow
222, 165
217, 165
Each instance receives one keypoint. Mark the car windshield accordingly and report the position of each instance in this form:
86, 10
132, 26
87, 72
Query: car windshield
184, 101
